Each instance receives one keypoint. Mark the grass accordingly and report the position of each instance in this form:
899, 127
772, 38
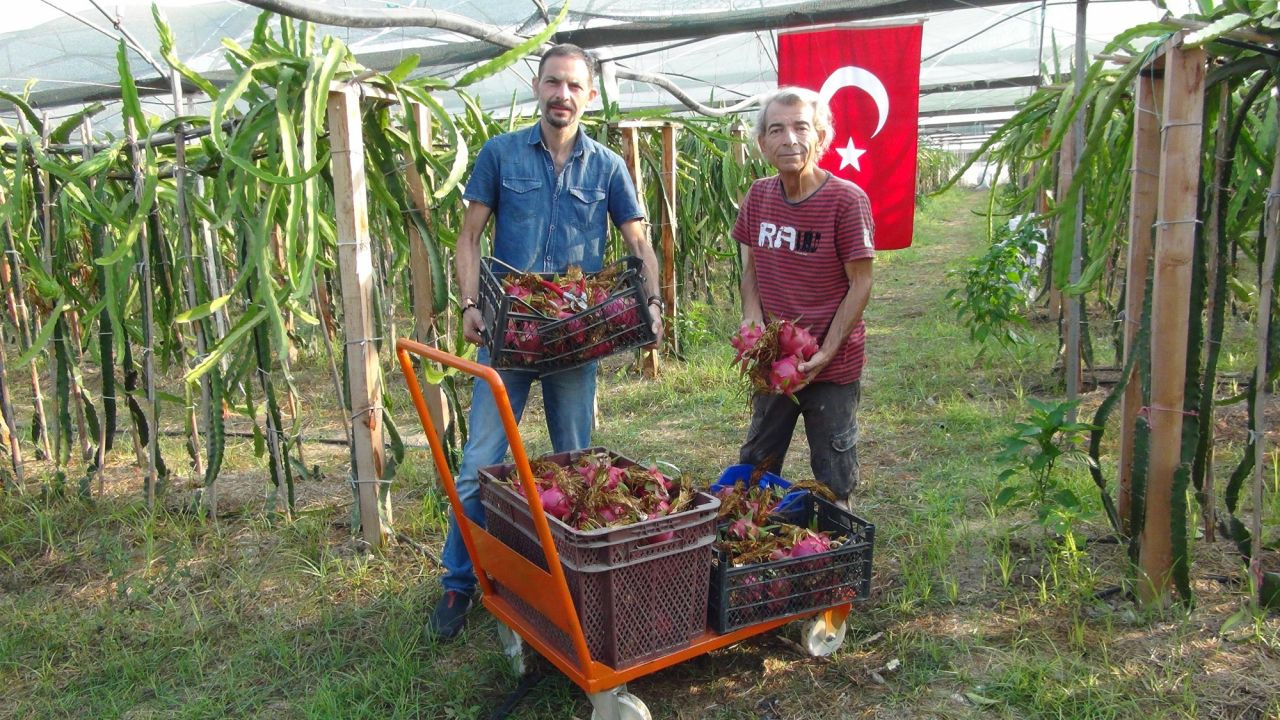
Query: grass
109, 611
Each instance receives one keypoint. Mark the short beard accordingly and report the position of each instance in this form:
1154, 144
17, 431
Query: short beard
554, 121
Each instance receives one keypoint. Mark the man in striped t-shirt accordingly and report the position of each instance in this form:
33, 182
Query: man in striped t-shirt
807, 242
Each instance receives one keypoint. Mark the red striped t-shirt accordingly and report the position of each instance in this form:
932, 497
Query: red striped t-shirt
800, 250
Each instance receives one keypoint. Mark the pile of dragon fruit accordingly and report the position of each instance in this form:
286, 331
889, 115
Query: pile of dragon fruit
597, 491
579, 316
754, 539
770, 355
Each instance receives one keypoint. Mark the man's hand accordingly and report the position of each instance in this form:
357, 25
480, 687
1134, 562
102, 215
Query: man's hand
656, 327
473, 325
814, 366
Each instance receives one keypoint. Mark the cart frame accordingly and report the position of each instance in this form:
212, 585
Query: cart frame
547, 591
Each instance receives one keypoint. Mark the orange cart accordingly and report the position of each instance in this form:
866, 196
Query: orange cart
547, 590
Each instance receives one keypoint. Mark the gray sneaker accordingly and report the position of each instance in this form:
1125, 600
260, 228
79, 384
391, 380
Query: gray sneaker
449, 616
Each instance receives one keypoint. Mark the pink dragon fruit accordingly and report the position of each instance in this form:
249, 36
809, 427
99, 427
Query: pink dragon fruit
555, 502
785, 376
746, 338
744, 529
517, 291
811, 544
621, 313
795, 340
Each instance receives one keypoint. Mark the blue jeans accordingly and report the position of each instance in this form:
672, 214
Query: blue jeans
569, 400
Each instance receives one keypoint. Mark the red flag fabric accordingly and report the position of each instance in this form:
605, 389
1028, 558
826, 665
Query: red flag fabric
871, 78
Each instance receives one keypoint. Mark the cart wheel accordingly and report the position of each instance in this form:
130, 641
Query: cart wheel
618, 704
512, 647
821, 639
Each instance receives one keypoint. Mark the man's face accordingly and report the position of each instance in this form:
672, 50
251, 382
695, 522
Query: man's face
564, 90
790, 139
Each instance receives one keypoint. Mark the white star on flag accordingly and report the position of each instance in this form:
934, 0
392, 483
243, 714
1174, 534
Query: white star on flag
849, 155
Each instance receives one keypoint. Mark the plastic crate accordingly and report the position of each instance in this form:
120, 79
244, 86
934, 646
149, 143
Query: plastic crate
640, 590
520, 337
735, 474
751, 594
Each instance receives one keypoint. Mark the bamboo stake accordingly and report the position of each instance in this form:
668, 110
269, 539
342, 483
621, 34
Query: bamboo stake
9, 426
424, 317
61, 440
210, 256
333, 364
12, 440
188, 278
107, 421
1212, 236
1148, 94
355, 259
1184, 70
77, 384
1265, 292
148, 356
27, 326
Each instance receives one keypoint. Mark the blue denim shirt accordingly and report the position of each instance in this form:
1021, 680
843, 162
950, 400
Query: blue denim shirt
544, 223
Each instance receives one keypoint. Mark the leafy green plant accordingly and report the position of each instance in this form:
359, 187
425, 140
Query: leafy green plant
1037, 447
998, 287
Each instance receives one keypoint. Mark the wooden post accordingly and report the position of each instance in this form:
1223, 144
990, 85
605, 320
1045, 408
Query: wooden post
424, 317
668, 258
649, 359
355, 262
1170, 307
1142, 215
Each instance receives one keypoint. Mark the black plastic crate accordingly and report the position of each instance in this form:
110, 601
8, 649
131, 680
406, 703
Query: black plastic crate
520, 337
750, 594
640, 590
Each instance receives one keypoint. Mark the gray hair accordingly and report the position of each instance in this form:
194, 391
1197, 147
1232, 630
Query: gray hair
792, 95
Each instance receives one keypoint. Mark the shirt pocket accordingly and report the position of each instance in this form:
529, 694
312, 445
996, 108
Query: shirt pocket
520, 197
589, 210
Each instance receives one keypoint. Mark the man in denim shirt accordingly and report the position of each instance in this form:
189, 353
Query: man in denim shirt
553, 191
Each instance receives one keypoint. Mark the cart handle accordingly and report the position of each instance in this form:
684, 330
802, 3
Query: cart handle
560, 586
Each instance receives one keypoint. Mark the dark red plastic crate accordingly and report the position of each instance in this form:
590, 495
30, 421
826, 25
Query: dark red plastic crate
751, 594
636, 598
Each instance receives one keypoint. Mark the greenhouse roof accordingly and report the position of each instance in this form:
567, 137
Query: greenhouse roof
976, 56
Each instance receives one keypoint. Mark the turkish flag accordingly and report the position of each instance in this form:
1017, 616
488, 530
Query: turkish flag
871, 78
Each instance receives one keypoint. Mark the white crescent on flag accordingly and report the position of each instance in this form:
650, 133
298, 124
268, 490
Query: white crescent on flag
852, 76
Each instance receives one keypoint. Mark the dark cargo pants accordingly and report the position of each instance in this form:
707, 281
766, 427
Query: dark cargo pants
830, 422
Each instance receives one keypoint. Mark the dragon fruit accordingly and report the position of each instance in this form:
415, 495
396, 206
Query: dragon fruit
811, 544
785, 376
598, 489
795, 340
749, 333
555, 502
770, 355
